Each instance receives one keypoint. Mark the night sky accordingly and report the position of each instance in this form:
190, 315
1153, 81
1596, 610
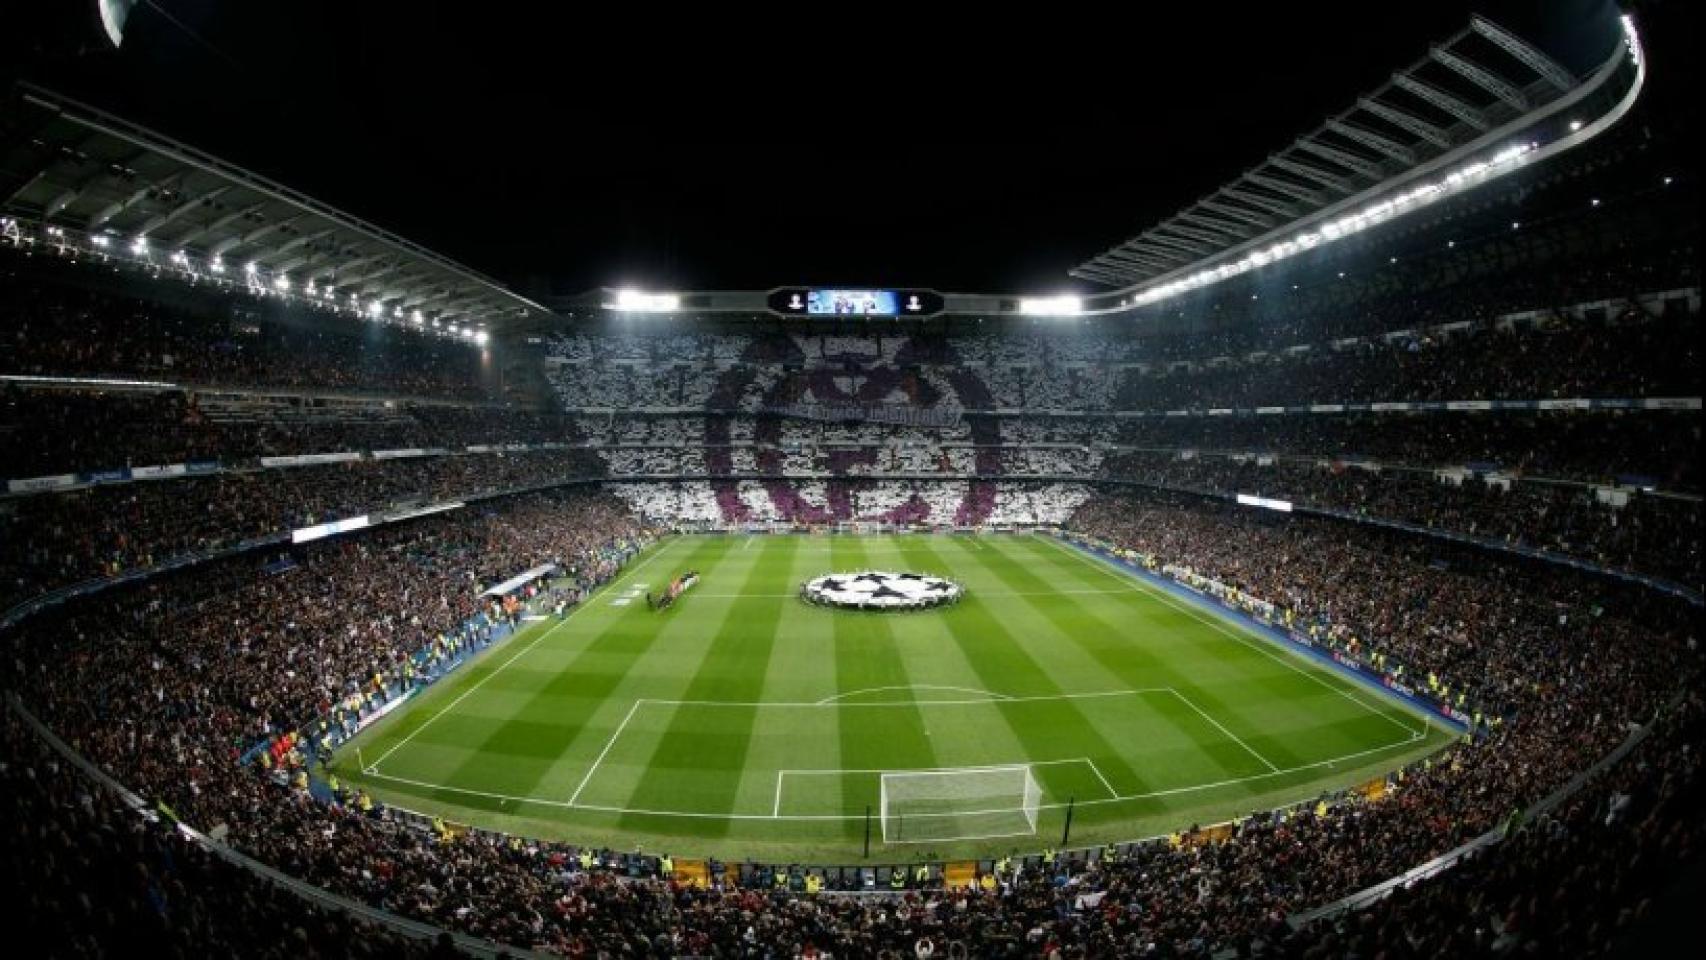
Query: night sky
714, 149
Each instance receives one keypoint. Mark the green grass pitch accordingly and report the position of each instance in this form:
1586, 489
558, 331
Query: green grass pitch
746, 723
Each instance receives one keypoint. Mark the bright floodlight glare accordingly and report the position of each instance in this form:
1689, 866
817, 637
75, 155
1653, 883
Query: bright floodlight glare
376, 309
482, 338
139, 245
643, 302
1062, 306
114, 13
416, 316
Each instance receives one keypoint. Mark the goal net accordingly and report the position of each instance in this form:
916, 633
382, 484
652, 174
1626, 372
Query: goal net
968, 803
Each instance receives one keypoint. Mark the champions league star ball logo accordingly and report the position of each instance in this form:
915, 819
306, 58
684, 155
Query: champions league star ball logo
881, 590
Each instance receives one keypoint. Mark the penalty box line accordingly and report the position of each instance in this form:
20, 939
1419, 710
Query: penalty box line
1113, 795
574, 799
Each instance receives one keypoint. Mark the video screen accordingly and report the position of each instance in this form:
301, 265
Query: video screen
851, 302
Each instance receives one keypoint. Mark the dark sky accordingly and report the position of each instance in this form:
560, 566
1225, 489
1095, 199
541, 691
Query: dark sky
989, 149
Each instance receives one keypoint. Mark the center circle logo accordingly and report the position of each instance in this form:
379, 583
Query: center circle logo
881, 590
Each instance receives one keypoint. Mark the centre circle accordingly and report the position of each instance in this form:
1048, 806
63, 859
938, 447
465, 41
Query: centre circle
881, 590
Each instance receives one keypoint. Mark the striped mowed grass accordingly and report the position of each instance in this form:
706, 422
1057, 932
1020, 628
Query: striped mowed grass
743, 722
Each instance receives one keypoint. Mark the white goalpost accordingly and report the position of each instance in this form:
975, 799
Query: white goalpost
963, 803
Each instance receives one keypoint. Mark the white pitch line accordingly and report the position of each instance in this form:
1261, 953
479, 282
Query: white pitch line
914, 686
601, 754
970, 836
472, 793
1138, 584
662, 549
835, 771
701, 815
1218, 726
1098, 772
1096, 695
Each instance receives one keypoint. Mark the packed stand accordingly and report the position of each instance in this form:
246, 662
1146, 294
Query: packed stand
198, 672
55, 539
1623, 530
86, 876
64, 319
114, 429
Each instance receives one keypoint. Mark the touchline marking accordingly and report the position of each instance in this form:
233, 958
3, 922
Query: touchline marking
1138, 584
811, 817
662, 549
1217, 725
472, 793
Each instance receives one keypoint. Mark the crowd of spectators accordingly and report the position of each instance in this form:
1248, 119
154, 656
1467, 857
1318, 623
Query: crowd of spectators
48, 431
1596, 447
814, 502
54, 539
164, 684
85, 876
69, 319
1637, 532
1634, 351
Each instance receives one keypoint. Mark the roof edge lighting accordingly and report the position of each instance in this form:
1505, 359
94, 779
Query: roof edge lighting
1387, 201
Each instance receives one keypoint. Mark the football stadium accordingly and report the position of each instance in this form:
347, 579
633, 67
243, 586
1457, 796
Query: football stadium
433, 530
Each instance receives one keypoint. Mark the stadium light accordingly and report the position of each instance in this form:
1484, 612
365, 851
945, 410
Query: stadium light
281, 283
102, 241
482, 338
216, 265
1266, 503
639, 301
1061, 306
139, 245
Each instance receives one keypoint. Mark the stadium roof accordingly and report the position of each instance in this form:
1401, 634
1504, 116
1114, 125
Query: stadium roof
1482, 80
74, 168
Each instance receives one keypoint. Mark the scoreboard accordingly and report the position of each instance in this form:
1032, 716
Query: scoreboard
846, 302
